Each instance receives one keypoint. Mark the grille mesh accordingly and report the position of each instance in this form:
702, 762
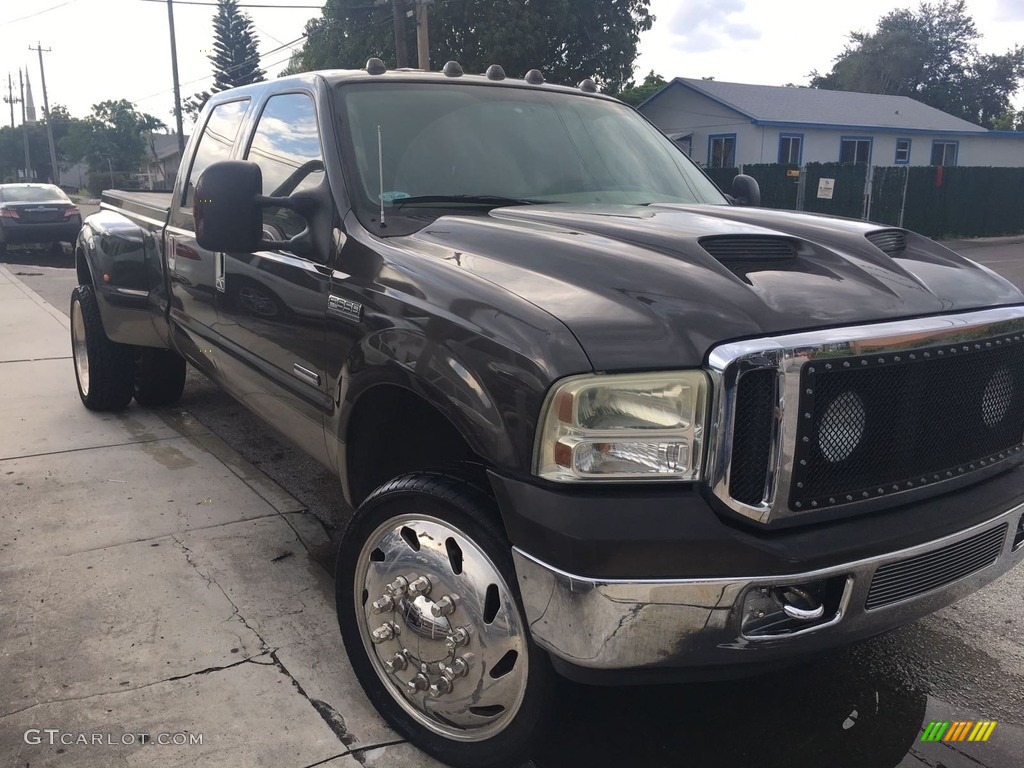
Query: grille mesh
891, 241
752, 435
873, 425
917, 575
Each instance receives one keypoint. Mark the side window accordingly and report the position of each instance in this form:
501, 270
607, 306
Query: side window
216, 143
722, 150
902, 152
286, 147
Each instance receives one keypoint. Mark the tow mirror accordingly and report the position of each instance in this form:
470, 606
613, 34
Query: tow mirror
745, 190
226, 207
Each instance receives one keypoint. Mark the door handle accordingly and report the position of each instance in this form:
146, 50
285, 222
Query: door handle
218, 266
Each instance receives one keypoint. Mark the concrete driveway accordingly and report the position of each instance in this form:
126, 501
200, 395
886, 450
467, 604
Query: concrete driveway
162, 602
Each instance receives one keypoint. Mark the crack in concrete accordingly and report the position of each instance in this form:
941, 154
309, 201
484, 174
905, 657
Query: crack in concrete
208, 670
357, 754
210, 581
171, 535
327, 713
92, 448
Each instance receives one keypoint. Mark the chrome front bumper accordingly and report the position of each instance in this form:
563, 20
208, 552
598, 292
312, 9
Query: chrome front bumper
621, 625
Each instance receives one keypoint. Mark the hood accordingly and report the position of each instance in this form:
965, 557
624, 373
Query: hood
639, 287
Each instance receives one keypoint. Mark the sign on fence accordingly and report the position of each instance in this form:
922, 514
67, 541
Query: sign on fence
825, 188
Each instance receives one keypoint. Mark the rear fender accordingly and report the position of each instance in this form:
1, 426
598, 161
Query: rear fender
122, 262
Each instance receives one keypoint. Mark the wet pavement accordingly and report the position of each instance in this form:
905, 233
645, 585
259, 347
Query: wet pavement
864, 706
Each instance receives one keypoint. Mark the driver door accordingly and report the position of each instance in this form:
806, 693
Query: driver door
272, 304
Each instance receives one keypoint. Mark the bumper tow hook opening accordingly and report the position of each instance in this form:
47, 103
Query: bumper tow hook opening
798, 603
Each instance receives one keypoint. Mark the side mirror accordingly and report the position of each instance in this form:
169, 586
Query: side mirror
745, 190
228, 216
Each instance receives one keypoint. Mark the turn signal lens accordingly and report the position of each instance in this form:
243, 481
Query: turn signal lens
624, 427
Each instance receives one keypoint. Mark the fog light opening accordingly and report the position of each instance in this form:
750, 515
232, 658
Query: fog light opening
783, 609
1018, 538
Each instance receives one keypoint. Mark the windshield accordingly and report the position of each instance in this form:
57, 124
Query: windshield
17, 194
465, 146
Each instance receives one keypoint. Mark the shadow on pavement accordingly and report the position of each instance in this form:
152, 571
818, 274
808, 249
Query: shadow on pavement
38, 256
831, 712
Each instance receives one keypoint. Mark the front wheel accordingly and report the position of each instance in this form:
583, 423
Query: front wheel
433, 625
104, 369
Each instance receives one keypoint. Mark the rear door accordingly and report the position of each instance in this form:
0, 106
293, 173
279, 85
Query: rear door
194, 272
273, 303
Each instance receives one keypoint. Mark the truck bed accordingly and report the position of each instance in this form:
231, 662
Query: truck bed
153, 206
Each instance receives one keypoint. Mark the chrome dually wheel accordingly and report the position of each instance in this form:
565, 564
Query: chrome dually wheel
432, 621
443, 627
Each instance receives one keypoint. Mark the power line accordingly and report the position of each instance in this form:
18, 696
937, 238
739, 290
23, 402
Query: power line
233, 67
239, 5
38, 13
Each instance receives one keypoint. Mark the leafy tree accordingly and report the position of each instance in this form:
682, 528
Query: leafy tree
638, 94
235, 58
113, 137
929, 55
12, 147
568, 40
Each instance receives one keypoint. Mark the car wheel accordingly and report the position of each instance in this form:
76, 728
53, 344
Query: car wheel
104, 370
431, 617
159, 377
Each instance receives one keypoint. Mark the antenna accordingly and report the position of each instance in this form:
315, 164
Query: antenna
380, 168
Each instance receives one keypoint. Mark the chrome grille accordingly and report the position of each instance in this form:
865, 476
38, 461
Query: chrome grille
877, 424
873, 433
917, 575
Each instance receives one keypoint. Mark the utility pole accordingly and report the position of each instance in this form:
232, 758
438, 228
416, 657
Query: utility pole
174, 75
24, 128
401, 52
422, 35
46, 111
10, 98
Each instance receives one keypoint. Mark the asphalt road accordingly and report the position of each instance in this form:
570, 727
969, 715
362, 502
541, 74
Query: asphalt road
863, 706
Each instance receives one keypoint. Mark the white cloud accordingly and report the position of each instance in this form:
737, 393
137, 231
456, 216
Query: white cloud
707, 25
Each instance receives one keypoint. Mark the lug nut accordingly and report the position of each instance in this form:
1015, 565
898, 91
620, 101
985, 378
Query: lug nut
417, 684
458, 668
441, 688
396, 664
457, 639
384, 632
420, 587
445, 606
385, 605
397, 587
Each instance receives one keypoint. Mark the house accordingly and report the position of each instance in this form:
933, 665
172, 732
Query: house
725, 125
161, 163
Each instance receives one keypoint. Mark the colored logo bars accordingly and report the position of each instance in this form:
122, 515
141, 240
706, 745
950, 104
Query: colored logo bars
958, 730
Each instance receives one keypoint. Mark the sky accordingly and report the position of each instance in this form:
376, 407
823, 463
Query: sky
112, 49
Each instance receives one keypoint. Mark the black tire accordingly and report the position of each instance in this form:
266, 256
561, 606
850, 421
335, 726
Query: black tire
159, 377
468, 507
109, 370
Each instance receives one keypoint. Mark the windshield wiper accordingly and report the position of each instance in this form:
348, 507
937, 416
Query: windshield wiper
490, 201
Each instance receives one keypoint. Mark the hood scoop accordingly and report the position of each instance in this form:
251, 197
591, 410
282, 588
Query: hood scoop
890, 241
744, 255
730, 249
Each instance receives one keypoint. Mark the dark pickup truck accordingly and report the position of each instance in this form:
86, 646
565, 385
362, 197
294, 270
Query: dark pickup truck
595, 416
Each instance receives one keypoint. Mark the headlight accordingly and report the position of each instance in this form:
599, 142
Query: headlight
645, 426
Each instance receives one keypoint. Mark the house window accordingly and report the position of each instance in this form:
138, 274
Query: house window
722, 151
791, 148
902, 152
685, 143
854, 149
945, 152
